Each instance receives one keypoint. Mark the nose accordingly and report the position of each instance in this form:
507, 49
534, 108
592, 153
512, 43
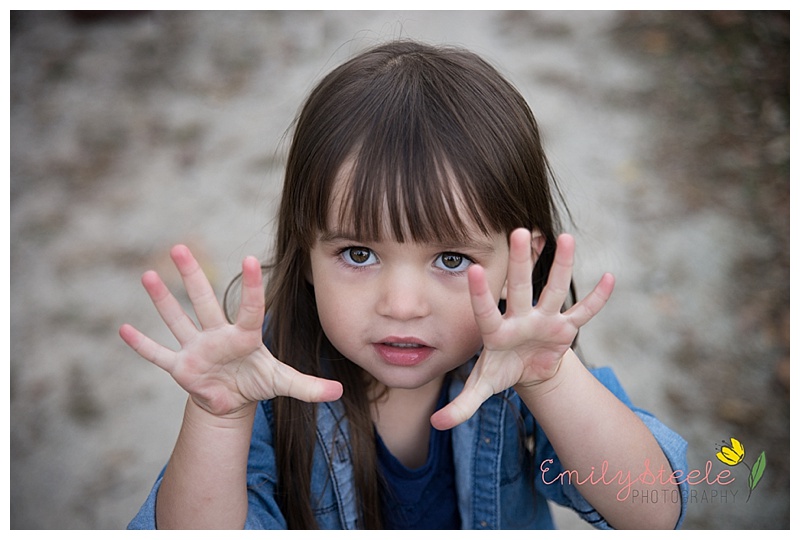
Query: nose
403, 295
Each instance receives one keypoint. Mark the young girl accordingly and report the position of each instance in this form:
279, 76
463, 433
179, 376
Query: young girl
412, 364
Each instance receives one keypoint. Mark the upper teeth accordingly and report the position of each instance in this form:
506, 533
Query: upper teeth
404, 345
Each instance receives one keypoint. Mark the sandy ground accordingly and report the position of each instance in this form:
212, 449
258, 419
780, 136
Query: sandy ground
669, 135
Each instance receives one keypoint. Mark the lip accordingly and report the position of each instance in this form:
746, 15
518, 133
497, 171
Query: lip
403, 351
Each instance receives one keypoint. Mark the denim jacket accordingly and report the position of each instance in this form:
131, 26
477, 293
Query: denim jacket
500, 485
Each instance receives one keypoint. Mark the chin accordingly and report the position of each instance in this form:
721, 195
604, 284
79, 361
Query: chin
407, 380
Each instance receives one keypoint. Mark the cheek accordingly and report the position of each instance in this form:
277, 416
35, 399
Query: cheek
460, 321
337, 325
330, 301
325, 310
340, 308
325, 297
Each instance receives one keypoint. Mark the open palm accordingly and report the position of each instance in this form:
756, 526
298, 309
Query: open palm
223, 366
524, 345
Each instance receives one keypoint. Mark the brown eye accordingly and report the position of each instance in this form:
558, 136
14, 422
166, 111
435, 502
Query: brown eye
454, 262
451, 260
357, 256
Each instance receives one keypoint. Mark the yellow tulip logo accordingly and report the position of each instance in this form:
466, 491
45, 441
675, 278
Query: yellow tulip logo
732, 454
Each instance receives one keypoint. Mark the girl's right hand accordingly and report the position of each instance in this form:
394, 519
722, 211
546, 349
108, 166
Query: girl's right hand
222, 366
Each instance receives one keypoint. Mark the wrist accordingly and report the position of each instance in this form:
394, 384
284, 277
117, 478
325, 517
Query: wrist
196, 413
565, 367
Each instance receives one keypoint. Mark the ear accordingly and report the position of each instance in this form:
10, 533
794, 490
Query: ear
537, 245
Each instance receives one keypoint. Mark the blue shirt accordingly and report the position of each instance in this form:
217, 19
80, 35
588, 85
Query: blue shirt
424, 498
499, 484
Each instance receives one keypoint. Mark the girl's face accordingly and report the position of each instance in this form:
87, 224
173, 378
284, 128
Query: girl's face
402, 311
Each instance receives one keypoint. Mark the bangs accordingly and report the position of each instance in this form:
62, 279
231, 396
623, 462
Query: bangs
421, 200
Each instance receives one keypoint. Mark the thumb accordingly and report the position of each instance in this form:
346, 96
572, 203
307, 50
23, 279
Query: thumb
289, 382
461, 408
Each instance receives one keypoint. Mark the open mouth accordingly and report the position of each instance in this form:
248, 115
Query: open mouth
403, 352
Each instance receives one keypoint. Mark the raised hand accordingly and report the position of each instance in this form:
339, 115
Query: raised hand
222, 366
525, 345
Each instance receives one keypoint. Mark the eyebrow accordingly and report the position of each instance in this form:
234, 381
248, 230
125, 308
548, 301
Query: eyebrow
328, 237
471, 244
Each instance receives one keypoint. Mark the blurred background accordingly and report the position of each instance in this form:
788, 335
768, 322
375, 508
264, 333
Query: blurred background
132, 131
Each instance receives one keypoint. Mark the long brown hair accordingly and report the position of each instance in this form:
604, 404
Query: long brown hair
422, 131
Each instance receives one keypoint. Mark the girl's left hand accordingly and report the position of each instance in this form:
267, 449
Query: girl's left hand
525, 345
